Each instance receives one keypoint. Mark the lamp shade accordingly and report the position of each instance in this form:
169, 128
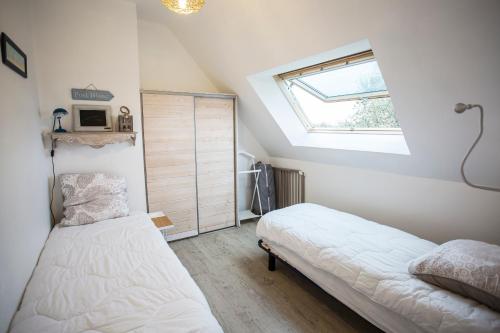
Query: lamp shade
461, 107
59, 112
184, 6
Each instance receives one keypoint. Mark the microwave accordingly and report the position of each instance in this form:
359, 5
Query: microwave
92, 118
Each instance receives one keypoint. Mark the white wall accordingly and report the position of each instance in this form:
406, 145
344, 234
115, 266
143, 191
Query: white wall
24, 213
165, 64
432, 54
83, 42
437, 210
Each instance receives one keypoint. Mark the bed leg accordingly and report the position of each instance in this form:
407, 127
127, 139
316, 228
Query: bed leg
272, 262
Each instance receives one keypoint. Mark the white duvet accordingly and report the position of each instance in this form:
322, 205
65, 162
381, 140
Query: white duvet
117, 275
373, 259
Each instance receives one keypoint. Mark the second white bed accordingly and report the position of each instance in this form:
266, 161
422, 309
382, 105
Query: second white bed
365, 265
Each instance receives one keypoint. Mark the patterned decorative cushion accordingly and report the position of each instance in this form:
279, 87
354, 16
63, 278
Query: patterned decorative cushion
466, 267
92, 197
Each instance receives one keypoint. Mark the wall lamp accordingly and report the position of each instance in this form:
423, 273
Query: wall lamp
461, 108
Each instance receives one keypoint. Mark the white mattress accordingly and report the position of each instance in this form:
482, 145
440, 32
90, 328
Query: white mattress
117, 275
373, 260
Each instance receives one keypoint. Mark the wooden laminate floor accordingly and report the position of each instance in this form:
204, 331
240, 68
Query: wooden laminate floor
244, 296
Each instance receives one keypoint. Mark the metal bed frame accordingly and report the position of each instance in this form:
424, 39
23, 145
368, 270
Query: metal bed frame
271, 266
272, 258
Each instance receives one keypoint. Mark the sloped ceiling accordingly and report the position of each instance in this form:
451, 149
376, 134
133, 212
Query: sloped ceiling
433, 54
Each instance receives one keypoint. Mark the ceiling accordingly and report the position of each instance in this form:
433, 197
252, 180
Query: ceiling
432, 54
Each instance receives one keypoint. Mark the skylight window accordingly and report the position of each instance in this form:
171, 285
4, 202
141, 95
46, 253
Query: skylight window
342, 95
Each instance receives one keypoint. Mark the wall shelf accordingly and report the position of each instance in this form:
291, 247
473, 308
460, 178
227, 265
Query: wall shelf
93, 139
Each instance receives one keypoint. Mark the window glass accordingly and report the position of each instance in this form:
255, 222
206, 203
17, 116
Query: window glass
348, 96
348, 80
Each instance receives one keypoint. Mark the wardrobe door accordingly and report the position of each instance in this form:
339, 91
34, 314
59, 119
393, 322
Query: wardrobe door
169, 154
215, 162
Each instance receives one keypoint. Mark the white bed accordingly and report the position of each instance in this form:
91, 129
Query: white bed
365, 265
117, 275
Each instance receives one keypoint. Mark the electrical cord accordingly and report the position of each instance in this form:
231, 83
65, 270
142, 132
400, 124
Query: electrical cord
462, 171
53, 184
53, 177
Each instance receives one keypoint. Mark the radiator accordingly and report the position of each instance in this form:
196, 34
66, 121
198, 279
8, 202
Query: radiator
290, 187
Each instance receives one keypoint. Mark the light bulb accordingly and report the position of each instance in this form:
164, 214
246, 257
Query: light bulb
184, 6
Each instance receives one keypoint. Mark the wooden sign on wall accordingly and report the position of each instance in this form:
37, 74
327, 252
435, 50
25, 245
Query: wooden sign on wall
91, 94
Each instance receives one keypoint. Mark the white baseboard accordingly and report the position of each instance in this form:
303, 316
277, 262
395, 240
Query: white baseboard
181, 235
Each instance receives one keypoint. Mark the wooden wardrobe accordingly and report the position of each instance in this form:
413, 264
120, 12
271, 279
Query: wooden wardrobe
189, 158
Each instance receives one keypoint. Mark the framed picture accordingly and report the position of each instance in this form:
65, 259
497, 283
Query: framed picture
13, 57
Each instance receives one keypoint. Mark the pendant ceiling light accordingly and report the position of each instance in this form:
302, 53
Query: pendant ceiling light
184, 6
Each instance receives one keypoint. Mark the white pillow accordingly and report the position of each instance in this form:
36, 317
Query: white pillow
92, 197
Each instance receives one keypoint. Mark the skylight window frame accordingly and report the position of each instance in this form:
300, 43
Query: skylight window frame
352, 60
